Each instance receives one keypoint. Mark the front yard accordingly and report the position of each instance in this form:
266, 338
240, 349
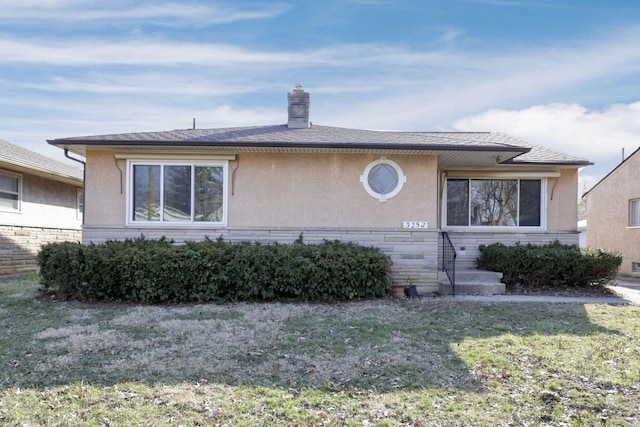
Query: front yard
384, 363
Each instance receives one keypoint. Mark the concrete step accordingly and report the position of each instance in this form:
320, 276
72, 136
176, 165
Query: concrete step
472, 282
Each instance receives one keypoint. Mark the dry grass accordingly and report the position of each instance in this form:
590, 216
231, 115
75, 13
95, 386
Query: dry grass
428, 362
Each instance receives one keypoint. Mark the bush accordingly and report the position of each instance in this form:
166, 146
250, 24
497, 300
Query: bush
551, 265
155, 271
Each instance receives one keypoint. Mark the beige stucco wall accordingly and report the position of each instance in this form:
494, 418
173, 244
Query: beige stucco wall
608, 213
104, 203
287, 190
562, 201
324, 190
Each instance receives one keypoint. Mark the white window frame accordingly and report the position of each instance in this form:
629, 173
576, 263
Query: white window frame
176, 224
364, 179
485, 228
79, 204
19, 193
631, 203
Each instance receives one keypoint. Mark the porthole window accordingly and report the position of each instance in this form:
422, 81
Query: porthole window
383, 179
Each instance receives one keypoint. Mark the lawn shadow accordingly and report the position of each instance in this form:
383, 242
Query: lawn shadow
383, 345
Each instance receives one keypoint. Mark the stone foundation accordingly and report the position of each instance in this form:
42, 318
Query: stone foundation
19, 246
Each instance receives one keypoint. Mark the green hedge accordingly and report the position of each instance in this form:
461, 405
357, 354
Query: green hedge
153, 271
551, 265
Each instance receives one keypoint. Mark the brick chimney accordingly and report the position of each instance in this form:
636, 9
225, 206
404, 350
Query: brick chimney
298, 108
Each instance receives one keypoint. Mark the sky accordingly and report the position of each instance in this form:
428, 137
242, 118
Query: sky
560, 73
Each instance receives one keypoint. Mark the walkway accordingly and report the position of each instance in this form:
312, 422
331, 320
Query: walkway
628, 293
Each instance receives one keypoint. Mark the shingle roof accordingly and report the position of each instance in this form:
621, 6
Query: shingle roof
330, 137
12, 155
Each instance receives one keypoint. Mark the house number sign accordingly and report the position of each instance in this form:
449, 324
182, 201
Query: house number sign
415, 224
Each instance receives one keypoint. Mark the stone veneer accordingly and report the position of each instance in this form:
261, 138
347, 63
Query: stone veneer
19, 246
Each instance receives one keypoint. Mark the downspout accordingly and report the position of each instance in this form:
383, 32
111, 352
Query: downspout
233, 176
119, 170
84, 178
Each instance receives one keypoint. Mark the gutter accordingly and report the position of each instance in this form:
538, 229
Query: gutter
84, 177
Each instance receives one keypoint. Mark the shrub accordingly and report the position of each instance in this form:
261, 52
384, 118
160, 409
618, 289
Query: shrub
151, 271
550, 265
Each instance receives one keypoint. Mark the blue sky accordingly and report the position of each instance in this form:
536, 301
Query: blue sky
560, 73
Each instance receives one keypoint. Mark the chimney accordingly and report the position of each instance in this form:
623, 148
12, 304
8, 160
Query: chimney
298, 108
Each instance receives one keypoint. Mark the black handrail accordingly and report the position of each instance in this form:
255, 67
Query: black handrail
449, 260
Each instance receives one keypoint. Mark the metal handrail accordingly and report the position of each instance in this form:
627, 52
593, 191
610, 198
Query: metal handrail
449, 255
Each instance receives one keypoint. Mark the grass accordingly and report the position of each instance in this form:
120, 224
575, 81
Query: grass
380, 363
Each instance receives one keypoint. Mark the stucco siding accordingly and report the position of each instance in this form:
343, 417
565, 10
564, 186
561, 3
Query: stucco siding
608, 213
562, 201
324, 190
104, 202
287, 190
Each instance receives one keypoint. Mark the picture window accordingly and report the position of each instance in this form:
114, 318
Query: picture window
177, 193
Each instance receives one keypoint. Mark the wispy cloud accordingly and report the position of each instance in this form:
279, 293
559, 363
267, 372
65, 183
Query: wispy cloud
167, 14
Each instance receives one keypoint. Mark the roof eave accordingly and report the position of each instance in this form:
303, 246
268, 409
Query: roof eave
79, 146
30, 169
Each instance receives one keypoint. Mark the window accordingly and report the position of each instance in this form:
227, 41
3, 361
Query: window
634, 213
79, 203
494, 202
383, 179
635, 267
10, 188
177, 192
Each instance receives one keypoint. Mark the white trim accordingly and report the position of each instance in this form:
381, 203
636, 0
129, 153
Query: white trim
19, 194
130, 222
485, 228
364, 179
500, 174
79, 202
175, 157
631, 203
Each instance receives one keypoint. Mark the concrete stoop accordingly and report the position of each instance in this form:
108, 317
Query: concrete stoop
472, 282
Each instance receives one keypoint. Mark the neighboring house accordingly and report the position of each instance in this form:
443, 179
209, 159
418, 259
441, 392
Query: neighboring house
582, 223
613, 213
394, 190
40, 202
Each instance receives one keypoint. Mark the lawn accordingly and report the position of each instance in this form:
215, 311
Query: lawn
429, 362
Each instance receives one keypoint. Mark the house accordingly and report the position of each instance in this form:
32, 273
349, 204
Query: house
40, 202
394, 190
613, 213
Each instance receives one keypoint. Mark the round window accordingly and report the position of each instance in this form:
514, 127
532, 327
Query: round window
383, 179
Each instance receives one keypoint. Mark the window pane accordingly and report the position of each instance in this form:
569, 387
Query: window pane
383, 178
8, 184
209, 193
146, 193
9, 201
177, 193
634, 213
494, 202
530, 191
458, 202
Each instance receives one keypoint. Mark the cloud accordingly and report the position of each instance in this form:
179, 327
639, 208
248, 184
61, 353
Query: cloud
567, 127
24, 13
598, 135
